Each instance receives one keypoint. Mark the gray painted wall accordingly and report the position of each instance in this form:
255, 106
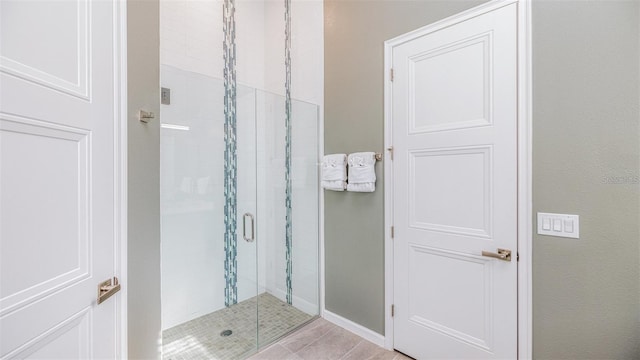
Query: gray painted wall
586, 77
586, 301
354, 235
144, 180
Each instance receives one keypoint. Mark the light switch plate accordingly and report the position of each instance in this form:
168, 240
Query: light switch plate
561, 225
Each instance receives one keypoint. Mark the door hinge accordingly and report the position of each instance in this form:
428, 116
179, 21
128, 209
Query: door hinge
393, 310
517, 256
393, 231
391, 74
390, 150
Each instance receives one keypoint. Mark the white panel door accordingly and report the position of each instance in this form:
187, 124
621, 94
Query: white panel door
454, 170
59, 184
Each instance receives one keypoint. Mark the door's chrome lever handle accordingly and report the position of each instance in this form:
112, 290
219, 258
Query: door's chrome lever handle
503, 254
107, 288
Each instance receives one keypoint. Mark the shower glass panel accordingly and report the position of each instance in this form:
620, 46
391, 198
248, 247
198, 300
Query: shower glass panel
209, 289
227, 302
278, 314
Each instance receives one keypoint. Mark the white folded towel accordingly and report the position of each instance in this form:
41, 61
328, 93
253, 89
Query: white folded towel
334, 172
335, 185
362, 172
364, 187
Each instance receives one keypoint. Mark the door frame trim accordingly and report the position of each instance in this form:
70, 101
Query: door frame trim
525, 208
121, 175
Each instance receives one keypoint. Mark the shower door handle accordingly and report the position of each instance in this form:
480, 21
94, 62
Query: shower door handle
244, 228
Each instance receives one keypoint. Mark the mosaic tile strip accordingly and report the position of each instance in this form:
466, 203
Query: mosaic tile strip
287, 86
230, 155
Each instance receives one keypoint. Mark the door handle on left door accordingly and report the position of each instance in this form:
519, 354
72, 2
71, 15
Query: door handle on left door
107, 288
503, 254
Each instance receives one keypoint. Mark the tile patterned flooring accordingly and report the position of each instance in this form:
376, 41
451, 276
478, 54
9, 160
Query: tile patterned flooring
321, 340
200, 338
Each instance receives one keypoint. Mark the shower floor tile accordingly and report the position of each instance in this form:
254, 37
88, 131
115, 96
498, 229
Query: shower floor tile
201, 338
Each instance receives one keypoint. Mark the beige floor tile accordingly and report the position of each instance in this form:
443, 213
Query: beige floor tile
400, 356
366, 350
275, 352
322, 340
331, 346
386, 355
306, 335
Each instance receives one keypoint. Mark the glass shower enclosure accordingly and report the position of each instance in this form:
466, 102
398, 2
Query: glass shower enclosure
231, 284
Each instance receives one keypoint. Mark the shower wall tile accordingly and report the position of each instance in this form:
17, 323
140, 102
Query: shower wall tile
251, 43
191, 38
307, 49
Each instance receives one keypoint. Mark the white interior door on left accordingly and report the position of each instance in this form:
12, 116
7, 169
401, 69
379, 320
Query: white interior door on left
60, 186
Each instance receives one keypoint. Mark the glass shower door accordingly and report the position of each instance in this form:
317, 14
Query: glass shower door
208, 182
245, 317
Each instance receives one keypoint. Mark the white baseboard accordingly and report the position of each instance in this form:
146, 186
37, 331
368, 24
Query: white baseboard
357, 329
